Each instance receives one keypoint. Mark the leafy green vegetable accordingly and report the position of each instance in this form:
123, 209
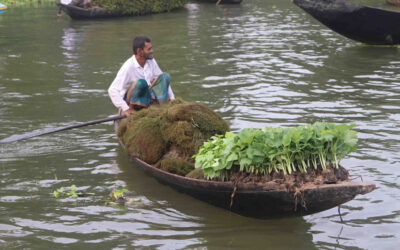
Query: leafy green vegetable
276, 149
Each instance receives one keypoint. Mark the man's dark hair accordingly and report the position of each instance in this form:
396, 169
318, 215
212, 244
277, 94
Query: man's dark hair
138, 43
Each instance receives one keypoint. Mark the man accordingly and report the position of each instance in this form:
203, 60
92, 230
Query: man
78, 3
140, 81
81, 3
65, 2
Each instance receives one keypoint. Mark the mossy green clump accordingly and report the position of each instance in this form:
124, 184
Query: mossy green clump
169, 135
139, 7
176, 166
144, 140
190, 125
196, 174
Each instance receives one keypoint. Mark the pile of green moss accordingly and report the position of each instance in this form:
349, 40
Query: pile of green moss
139, 7
167, 136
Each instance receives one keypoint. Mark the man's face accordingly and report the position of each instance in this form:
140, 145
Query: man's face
148, 51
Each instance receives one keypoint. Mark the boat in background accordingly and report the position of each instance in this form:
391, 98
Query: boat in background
259, 200
355, 21
81, 13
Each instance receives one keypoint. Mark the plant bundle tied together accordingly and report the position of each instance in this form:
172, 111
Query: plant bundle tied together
269, 150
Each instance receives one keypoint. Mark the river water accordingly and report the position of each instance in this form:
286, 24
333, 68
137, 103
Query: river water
261, 63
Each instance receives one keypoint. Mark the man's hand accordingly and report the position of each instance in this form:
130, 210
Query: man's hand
127, 112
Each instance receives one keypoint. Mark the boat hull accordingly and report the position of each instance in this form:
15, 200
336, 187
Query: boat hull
355, 21
260, 200
92, 13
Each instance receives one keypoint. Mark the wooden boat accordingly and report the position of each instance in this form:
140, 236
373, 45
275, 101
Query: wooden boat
91, 13
222, 1
260, 200
355, 21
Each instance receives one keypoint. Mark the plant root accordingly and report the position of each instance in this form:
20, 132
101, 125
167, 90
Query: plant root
302, 201
236, 182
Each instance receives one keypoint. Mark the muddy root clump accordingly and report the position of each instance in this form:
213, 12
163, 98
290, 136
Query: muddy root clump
294, 181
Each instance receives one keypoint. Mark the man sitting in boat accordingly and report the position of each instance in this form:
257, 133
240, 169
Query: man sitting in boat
140, 81
81, 3
78, 3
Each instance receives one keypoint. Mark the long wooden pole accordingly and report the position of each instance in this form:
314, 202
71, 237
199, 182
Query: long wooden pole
15, 138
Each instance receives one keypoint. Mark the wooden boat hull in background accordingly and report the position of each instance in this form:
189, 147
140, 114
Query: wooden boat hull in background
355, 21
81, 13
260, 200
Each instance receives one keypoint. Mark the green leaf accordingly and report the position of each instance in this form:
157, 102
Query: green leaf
276, 149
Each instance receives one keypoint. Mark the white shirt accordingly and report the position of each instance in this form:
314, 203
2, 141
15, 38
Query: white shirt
129, 73
66, 2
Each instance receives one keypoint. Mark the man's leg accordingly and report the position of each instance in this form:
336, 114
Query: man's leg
160, 87
138, 95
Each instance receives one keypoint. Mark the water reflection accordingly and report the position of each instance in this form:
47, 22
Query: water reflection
70, 43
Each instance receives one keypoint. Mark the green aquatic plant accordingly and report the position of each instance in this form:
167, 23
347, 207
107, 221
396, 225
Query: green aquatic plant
118, 199
271, 150
71, 193
118, 194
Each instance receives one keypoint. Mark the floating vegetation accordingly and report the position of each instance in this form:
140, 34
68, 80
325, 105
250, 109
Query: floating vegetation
69, 193
117, 198
169, 135
139, 7
276, 150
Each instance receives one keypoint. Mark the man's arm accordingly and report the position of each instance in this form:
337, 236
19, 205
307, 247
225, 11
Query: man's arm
170, 93
119, 86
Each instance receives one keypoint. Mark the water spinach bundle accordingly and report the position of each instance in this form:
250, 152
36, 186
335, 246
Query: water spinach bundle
269, 150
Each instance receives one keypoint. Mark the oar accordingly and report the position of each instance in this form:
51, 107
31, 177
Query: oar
53, 130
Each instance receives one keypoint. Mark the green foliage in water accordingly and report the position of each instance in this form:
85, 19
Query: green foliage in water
118, 194
270, 150
139, 7
69, 193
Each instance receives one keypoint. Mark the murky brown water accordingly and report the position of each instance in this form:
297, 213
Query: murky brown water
264, 62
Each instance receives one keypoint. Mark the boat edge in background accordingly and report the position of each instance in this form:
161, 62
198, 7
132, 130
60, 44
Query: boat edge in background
358, 22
